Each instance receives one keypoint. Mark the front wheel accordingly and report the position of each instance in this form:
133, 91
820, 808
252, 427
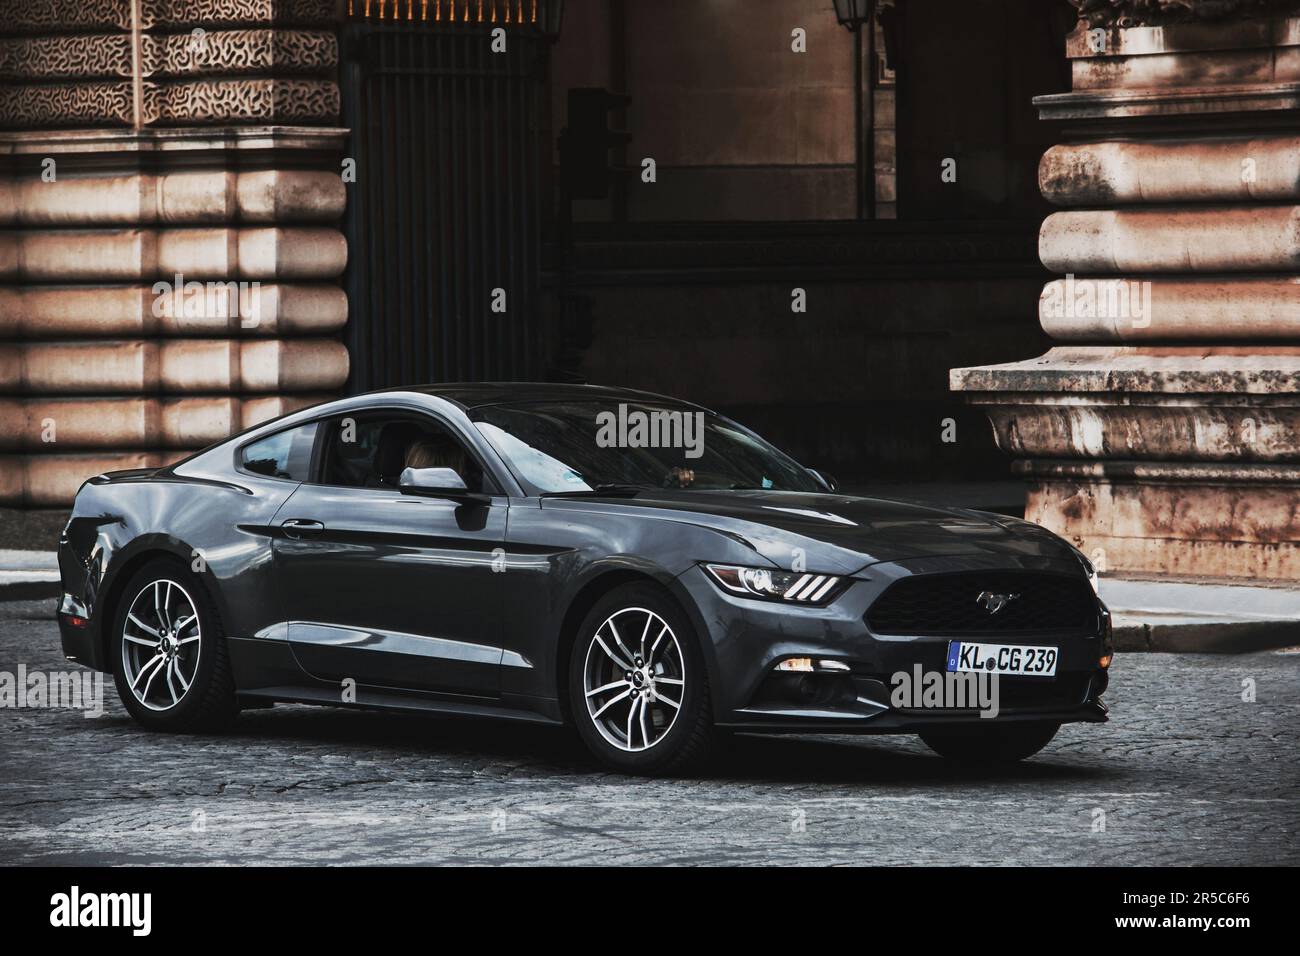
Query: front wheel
169, 652
638, 691
997, 743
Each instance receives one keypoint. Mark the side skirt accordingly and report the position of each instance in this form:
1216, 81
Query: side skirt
535, 710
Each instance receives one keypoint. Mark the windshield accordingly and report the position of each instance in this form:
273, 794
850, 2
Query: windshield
575, 447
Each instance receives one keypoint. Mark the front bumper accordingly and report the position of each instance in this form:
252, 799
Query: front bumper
748, 638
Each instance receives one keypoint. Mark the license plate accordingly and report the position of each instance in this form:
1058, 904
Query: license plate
1021, 660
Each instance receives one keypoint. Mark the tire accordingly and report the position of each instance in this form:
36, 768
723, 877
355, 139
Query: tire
652, 628
1000, 743
192, 689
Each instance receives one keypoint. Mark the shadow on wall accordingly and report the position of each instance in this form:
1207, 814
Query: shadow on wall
857, 383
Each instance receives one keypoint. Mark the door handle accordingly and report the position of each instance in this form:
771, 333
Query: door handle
299, 527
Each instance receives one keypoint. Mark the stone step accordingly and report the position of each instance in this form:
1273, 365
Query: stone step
1170, 370
28, 575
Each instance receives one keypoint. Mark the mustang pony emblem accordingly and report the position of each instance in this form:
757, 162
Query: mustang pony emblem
994, 602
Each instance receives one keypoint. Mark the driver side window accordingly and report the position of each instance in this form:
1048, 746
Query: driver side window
371, 451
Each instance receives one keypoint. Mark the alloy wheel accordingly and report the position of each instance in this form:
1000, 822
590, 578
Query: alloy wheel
634, 679
161, 642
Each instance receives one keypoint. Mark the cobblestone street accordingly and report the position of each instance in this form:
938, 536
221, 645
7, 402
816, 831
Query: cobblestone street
1186, 772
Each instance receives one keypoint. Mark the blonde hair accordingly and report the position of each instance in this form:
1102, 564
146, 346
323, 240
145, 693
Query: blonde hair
424, 453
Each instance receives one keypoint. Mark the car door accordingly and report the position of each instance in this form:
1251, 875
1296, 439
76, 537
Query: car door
391, 590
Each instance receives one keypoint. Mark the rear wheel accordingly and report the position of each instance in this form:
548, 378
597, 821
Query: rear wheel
169, 652
638, 691
997, 743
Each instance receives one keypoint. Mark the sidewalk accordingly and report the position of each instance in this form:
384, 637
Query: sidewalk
28, 568
1200, 616
28, 575
1150, 614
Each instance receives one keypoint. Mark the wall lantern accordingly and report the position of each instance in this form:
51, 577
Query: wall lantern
853, 13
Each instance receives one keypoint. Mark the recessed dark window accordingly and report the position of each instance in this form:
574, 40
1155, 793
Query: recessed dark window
285, 454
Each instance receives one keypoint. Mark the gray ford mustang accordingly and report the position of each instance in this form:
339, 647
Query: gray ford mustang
642, 569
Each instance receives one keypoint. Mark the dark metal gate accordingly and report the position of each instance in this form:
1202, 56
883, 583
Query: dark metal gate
444, 219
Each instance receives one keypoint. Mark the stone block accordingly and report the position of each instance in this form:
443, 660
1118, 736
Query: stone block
177, 366
1234, 169
55, 425
1172, 240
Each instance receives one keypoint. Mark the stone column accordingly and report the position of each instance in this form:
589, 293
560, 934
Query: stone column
1162, 433
169, 241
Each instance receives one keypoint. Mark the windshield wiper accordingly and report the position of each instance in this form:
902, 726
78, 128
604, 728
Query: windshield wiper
600, 491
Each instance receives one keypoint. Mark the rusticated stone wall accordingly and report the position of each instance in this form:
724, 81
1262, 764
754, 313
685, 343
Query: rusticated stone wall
170, 247
1162, 433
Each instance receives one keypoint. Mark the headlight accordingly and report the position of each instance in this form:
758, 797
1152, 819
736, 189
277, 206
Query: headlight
793, 586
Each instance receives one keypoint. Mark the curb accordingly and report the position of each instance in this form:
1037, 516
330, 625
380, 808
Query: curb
1215, 637
1201, 616
28, 590
27, 575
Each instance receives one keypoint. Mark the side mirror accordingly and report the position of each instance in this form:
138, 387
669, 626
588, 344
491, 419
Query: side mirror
432, 482
825, 480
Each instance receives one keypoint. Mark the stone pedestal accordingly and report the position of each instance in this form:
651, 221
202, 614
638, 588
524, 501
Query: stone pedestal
1162, 435
170, 247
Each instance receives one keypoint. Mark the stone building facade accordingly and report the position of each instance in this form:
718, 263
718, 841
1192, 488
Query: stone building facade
1161, 432
169, 242
173, 252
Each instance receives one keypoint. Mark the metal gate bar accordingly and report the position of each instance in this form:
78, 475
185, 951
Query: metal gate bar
447, 206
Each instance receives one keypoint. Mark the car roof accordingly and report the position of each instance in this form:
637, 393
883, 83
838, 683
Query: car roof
470, 395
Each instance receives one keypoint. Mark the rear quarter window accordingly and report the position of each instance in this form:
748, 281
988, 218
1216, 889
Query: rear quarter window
285, 454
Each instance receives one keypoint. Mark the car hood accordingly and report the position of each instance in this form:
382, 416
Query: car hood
841, 533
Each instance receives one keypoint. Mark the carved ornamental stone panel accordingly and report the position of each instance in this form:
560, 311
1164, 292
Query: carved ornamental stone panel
66, 104
239, 52
212, 52
57, 59
65, 57
65, 16
211, 14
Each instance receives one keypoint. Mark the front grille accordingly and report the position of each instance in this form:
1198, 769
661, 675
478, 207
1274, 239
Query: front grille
950, 604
